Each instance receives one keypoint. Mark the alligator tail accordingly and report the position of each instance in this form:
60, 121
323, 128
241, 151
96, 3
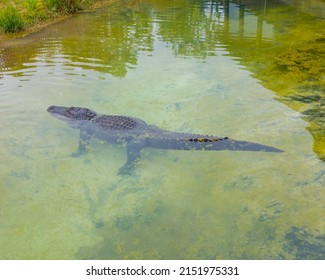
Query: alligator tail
227, 144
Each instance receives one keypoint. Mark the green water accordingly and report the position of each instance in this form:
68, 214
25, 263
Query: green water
210, 67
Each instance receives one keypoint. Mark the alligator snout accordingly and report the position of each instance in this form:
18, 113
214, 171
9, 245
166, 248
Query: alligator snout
51, 108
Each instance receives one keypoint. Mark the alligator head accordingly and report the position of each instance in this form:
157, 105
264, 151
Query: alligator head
73, 113
74, 116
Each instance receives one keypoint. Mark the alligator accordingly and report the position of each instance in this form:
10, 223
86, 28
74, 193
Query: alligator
137, 134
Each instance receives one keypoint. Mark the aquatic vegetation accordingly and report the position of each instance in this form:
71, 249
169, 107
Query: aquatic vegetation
303, 62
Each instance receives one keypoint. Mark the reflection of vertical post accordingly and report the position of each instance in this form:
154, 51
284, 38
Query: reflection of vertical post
241, 20
211, 10
226, 21
259, 31
260, 20
210, 21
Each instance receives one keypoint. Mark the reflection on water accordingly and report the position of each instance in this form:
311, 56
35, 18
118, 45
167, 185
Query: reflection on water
211, 67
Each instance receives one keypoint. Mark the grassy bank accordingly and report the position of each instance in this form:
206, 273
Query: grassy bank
18, 15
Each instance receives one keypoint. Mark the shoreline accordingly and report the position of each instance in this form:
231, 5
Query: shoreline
57, 17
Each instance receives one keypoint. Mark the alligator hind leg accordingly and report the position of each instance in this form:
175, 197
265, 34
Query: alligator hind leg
133, 155
84, 139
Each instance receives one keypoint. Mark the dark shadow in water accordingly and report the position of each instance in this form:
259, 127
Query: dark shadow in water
302, 245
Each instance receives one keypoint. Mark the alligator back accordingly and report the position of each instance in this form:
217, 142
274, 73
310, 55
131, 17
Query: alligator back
118, 122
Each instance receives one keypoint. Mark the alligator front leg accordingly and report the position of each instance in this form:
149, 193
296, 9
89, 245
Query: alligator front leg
133, 155
84, 139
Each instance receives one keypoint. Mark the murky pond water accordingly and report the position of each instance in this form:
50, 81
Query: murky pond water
210, 67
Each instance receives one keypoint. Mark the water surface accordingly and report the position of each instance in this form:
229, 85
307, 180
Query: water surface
211, 67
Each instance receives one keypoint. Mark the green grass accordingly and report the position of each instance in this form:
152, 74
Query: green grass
10, 20
17, 14
69, 6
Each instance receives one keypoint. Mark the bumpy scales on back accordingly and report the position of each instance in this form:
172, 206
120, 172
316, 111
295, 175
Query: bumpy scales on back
136, 134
